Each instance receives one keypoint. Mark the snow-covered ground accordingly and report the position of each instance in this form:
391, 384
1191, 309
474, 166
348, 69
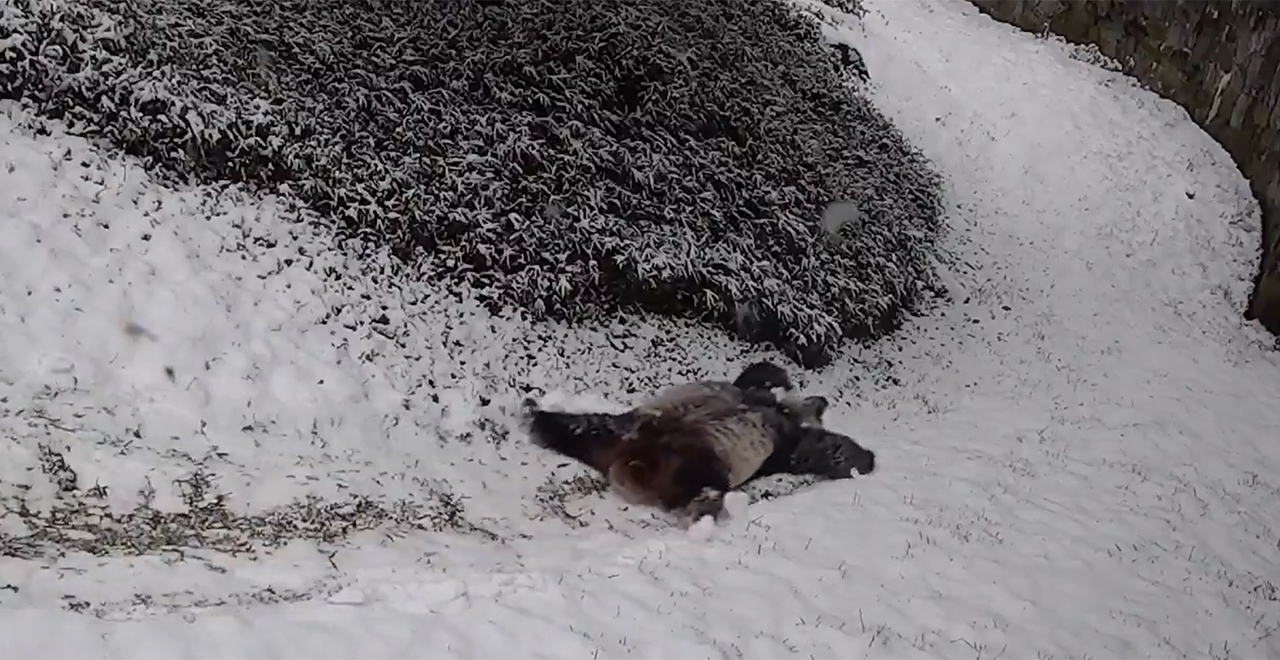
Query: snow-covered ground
1077, 458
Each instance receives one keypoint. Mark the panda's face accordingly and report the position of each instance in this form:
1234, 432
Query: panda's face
805, 411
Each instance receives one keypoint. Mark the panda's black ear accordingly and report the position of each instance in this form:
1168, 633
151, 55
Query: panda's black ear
816, 406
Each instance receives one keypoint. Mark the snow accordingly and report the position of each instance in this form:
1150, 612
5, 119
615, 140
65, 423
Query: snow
1077, 457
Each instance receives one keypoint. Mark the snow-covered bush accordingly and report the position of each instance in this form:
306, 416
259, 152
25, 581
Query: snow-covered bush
570, 157
851, 7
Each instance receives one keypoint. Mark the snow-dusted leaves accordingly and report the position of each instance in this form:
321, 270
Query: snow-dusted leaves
570, 157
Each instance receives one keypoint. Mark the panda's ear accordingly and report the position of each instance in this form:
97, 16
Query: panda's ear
815, 406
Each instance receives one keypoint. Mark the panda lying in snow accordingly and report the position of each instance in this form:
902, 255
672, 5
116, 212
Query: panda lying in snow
683, 449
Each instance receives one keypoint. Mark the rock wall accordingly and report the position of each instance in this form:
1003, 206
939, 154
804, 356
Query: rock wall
1218, 59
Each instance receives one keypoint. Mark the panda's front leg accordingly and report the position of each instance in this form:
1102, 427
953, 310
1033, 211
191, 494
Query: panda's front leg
830, 455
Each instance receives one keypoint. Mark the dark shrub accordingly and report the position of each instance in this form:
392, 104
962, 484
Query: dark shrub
571, 157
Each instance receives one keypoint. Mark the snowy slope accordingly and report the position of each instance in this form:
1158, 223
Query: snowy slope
1078, 456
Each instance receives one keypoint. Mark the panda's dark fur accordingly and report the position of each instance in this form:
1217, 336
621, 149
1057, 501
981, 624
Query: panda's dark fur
683, 449
814, 449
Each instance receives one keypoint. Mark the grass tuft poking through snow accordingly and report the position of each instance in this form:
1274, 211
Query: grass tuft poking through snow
1076, 456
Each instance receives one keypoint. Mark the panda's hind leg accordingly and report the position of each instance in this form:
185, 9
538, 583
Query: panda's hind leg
589, 438
763, 375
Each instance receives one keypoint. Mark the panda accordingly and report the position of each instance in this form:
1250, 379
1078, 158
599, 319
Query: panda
687, 446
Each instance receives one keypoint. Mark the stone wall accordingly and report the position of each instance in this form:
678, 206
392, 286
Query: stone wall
1218, 59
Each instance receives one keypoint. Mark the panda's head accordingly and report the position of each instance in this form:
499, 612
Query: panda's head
806, 411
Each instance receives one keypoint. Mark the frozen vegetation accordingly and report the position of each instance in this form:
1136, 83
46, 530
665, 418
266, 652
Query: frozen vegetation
569, 157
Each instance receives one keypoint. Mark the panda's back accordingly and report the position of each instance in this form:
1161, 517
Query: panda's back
740, 435
743, 441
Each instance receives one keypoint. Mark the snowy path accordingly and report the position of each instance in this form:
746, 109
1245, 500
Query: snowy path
1078, 457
